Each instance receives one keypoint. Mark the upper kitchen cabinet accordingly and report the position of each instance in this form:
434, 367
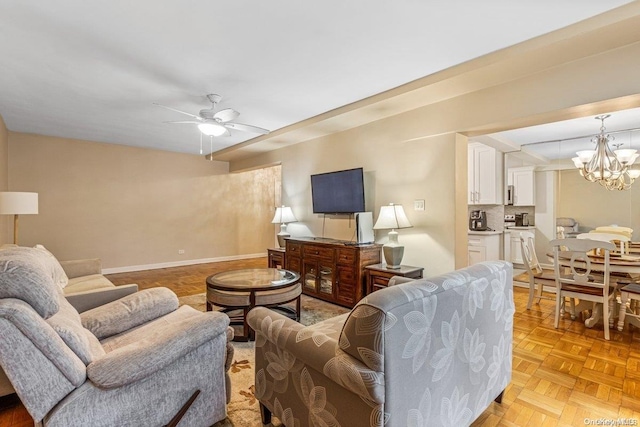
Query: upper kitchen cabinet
485, 178
523, 184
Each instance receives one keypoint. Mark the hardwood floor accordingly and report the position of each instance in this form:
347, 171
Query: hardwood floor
561, 377
183, 281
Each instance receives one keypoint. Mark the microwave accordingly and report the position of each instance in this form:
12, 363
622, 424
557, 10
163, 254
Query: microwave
511, 194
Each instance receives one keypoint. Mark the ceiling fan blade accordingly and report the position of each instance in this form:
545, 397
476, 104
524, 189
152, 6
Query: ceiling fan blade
247, 128
184, 121
226, 115
178, 111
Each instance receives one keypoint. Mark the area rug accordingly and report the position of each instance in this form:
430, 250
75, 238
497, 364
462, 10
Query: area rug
244, 410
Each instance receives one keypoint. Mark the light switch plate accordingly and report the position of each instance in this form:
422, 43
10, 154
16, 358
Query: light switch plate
418, 205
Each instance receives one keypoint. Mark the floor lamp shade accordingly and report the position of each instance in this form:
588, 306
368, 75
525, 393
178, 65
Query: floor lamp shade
18, 203
392, 217
282, 216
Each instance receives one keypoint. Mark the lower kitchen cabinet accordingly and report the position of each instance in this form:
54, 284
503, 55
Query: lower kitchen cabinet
512, 249
483, 246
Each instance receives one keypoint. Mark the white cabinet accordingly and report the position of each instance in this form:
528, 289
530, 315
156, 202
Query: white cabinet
485, 180
523, 181
506, 245
476, 254
513, 250
483, 247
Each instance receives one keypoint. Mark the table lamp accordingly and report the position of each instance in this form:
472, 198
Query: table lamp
282, 216
18, 203
392, 217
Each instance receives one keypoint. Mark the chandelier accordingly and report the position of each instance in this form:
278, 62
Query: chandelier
611, 169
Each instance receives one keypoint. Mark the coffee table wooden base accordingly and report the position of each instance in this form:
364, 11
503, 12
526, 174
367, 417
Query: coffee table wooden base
238, 304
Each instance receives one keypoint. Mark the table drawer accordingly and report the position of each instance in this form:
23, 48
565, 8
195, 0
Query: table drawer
295, 249
346, 256
310, 251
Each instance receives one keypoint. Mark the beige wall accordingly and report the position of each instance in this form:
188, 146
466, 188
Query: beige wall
395, 171
5, 233
592, 205
133, 207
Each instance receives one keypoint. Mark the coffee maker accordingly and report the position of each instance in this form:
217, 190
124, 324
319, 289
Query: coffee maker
478, 221
522, 220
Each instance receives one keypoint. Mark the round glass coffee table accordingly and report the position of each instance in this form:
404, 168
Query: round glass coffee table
241, 290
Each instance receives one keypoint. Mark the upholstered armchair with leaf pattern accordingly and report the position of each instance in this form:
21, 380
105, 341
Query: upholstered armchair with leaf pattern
430, 352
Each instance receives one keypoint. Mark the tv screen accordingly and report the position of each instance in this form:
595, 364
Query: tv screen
338, 192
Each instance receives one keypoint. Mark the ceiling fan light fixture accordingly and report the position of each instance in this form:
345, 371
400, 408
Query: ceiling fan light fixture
212, 129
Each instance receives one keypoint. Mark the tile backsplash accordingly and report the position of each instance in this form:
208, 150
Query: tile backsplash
531, 210
496, 213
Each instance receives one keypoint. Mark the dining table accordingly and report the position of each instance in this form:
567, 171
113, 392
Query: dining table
623, 267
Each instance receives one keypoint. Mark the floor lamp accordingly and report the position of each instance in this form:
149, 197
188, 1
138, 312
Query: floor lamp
18, 203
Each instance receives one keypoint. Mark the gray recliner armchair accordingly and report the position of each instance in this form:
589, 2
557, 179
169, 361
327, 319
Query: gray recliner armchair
134, 361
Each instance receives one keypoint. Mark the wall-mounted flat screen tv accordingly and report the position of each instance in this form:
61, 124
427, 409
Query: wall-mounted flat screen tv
338, 192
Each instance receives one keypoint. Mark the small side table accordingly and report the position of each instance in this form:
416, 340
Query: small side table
378, 275
276, 257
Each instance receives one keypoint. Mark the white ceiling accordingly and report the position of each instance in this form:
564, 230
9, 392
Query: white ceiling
561, 140
93, 69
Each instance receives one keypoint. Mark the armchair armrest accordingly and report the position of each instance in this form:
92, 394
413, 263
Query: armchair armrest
129, 312
86, 300
82, 267
314, 348
137, 361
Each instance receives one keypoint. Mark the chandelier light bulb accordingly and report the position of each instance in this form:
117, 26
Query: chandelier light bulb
585, 155
627, 156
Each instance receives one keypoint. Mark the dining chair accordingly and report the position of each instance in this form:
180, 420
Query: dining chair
581, 281
538, 277
616, 229
607, 237
630, 293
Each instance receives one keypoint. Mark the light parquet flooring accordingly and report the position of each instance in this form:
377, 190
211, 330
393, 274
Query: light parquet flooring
561, 377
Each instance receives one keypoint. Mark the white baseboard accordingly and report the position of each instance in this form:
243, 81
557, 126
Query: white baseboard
130, 268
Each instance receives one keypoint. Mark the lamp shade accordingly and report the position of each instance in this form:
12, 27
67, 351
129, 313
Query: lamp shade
392, 217
283, 215
18, 203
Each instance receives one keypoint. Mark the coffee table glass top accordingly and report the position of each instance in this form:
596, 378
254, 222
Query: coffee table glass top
253, 279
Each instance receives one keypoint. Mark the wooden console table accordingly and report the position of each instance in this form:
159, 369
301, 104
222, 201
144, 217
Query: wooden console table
332, 270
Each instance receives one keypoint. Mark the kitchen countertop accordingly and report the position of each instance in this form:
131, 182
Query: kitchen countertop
485, 233
524, 227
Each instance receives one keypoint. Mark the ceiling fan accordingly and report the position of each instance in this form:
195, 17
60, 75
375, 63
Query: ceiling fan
216, 123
